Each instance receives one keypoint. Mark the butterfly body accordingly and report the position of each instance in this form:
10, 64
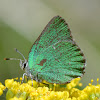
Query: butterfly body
54, 56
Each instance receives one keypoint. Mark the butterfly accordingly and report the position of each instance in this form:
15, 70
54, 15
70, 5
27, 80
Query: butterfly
54, 57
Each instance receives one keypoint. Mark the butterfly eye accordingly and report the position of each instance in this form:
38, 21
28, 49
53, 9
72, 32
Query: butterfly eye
24, 65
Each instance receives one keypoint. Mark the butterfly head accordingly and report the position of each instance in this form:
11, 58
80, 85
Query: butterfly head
23, 64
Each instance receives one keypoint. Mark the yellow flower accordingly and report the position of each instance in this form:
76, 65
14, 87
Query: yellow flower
2, 87
39, 91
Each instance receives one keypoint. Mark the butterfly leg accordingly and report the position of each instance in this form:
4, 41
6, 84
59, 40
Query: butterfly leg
31, 79
23, 77
36, 78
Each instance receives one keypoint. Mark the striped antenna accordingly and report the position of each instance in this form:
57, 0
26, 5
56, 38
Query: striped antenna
15, 58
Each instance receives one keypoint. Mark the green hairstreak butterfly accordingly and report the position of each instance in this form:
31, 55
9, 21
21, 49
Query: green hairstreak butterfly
54, 56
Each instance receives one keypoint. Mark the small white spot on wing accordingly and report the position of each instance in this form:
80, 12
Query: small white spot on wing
54, 47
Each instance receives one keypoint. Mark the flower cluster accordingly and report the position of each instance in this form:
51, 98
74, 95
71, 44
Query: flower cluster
2, 87
40, 91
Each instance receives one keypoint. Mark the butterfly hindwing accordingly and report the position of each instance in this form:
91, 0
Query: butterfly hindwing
54, 56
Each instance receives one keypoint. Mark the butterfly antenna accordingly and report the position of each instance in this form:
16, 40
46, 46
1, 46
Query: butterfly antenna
15, 58
20, 53
11, 59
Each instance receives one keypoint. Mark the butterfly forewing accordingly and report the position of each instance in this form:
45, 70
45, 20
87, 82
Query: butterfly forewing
54, 56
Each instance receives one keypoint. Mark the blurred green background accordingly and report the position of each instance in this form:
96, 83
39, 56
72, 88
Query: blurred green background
22, 21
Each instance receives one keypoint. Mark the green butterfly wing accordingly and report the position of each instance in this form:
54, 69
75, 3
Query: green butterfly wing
54, 56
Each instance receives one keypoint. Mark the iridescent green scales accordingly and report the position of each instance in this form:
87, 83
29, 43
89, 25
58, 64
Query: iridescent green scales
54, 56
